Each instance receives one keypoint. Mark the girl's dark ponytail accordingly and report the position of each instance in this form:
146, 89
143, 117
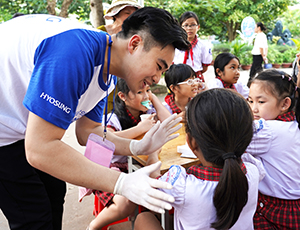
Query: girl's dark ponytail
231, 194
221, 122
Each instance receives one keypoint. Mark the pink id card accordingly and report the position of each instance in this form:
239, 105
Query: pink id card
99, 151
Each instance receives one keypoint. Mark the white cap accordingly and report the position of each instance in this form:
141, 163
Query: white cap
118, 5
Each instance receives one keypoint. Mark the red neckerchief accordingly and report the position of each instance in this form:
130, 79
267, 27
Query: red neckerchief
289, 116
134, 120
226, 85
209, 173
169, 99
186, 54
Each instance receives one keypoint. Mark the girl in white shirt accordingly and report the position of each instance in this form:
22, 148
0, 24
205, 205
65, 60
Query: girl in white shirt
276, 143
259, 51
227, 71
199, 56
221, 192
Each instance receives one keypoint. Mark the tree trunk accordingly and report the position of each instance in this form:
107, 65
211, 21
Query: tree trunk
96, 15
51, 7
64, 8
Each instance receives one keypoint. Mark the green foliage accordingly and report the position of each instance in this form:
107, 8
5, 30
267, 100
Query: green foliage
223, 17
291, 21
220, 48
289, 54
281, 54
9, 8
246, 58
297, 43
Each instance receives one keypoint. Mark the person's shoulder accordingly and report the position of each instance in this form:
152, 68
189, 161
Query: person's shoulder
215, 83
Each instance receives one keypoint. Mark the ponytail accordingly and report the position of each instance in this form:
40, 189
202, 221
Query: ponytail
231, 194
222, 131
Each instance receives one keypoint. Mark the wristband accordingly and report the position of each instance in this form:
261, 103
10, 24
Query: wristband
119, 184
131, 147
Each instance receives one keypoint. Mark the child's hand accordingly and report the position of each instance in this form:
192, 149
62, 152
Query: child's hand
202, 87
147, 124
156, 137
182, 115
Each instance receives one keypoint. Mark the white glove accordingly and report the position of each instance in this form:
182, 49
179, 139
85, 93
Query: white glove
156, 137
141, 189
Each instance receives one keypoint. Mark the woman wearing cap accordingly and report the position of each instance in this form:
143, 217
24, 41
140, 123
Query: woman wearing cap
118, 11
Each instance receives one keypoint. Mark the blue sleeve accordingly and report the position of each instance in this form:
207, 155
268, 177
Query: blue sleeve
64, 66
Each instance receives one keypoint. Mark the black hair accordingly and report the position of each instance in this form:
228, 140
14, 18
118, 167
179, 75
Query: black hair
281, 85
187, 15
221, 121
178, 73
261, 25
120, 107
222, 60
157, 27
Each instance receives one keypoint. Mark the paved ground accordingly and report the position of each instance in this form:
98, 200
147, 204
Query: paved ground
78, 215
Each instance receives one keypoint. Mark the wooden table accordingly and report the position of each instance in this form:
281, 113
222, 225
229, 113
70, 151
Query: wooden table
169, 155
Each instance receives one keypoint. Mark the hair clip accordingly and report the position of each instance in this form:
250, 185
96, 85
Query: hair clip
290, 78
282, 76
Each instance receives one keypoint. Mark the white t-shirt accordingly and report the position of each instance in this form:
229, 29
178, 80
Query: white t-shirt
201, 54
259, 42
54, 66
193, 206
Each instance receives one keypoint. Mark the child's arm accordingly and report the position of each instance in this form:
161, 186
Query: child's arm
153, 158
161, 111
139, 129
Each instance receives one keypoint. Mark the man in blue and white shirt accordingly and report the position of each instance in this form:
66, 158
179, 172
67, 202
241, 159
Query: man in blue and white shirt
54, 72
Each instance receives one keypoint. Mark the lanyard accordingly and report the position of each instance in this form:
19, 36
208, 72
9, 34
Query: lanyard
107, 61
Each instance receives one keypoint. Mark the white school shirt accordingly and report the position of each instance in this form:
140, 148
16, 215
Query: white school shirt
193, 206
53, 65
259, 42
240, 87
201, 54
277, 145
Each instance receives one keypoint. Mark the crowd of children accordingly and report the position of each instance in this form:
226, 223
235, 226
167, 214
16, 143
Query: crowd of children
248, 177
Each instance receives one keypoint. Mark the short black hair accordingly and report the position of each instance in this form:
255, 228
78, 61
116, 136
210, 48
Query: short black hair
156, 27
178, 73
187, 15
222, 60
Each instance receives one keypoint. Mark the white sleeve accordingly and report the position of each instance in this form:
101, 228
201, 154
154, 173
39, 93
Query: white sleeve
215, 83
246, 157
206, 54
242, 89
261, 140
176, 176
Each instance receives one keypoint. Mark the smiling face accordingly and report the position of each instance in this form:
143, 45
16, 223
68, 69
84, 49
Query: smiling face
146, 67
186, 90
231, 73
133, 101
263, 103
191, 27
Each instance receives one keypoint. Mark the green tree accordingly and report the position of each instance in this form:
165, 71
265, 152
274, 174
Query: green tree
224, 17
291, 20
79, 7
